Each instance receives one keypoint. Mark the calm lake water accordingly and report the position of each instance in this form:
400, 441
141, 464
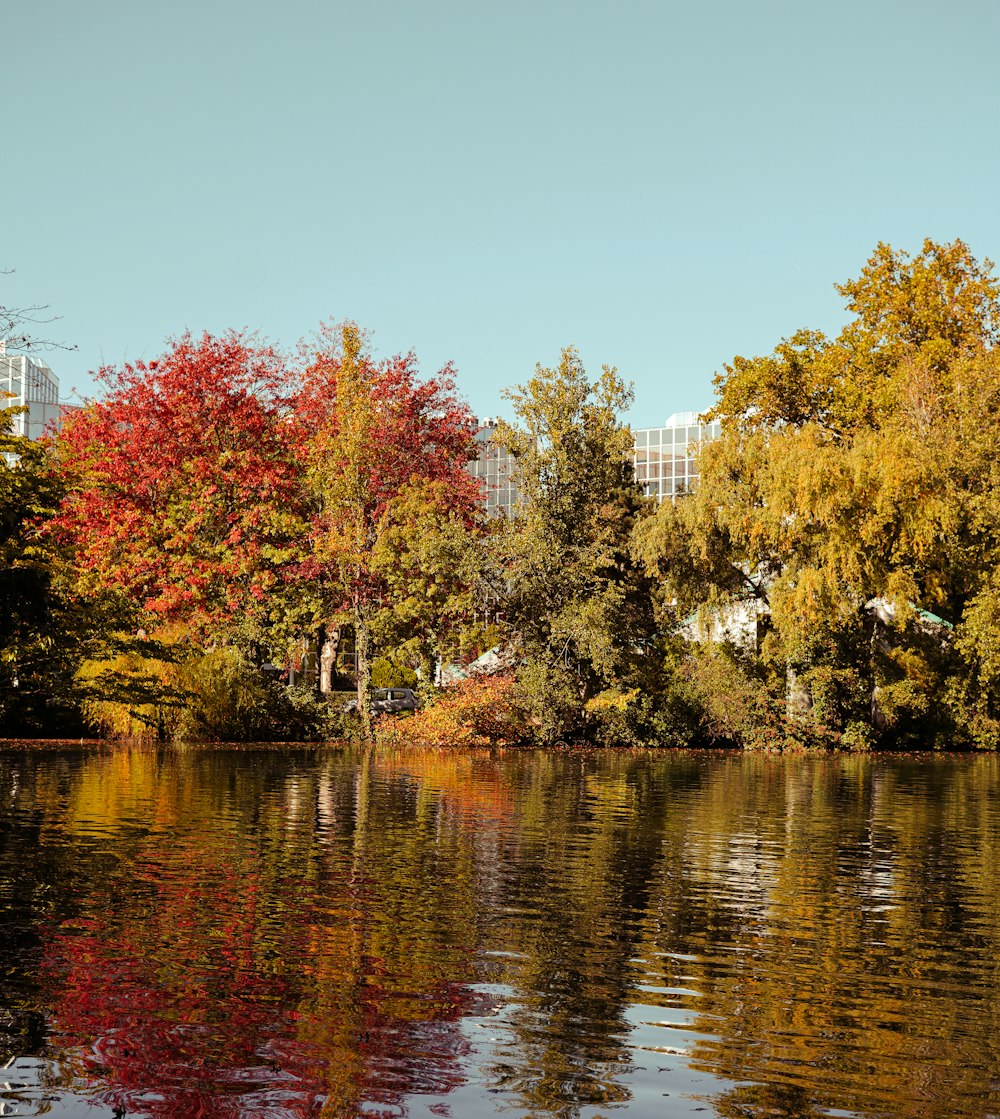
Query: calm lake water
330, 932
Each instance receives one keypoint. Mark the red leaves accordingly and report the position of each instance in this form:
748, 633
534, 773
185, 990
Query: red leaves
366, 431
401, 428
480, 711
201, 482
180, 474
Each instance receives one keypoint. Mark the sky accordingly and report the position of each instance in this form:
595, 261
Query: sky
662, 185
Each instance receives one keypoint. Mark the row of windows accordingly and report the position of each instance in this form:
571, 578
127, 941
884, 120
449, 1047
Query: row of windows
674, 436
494, 468
679, 470
19, 373
491, 470
662, 460
668, 487
653, 457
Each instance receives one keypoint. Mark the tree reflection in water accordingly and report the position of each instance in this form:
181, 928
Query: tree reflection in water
767, 1101
336, 932
246, 971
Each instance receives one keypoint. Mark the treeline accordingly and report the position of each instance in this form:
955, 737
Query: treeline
832, 581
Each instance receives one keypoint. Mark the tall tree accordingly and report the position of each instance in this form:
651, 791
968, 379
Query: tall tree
183, 490
433, 568
578, 605
27, 493
372, 430
47, 628
852, 489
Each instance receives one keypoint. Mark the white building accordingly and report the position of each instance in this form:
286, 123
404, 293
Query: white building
494, 466
664, 457
30, 383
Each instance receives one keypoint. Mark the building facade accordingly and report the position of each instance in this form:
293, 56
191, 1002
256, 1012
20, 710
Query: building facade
665, 458
494, 467
28, 382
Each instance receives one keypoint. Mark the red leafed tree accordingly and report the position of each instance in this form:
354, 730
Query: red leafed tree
370, 429
184, 491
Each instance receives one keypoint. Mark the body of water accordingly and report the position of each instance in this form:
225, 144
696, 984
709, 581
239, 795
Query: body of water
220, 933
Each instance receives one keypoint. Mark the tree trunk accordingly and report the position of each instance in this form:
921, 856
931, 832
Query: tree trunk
427, 672
363, 655
327, 659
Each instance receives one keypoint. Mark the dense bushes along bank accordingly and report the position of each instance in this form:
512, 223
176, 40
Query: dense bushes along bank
222, 507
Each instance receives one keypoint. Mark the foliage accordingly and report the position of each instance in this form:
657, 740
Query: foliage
27, 493
578, 606
428, 558
841, 547
387, 674
46, 625
851, 495
739, 704
135, 691
638, 719
183, 694
480, 711
370, 431
230, 700
182, 490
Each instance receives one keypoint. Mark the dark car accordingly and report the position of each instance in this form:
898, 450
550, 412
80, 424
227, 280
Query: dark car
393, 700
388, 701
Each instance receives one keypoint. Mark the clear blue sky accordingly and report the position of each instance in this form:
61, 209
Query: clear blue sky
662, 185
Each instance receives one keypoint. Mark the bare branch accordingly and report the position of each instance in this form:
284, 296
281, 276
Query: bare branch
16, 324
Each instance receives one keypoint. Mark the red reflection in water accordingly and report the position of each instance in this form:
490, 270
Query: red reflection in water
204, 1009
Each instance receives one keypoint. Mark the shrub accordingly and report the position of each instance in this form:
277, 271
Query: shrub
476, 712
131, 695
737, 706
387, 674
636, 718
218, 695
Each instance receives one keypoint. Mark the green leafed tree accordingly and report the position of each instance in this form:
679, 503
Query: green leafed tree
578, 606
433, 568
47, 628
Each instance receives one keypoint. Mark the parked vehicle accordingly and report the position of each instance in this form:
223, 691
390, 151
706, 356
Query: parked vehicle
388, 701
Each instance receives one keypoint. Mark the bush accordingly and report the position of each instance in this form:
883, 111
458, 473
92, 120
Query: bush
738, 707
477, 712
667, 717
387, 674
132, 695
219, 696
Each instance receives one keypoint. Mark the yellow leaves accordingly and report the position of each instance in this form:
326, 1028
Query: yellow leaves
611, 700
855, 471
